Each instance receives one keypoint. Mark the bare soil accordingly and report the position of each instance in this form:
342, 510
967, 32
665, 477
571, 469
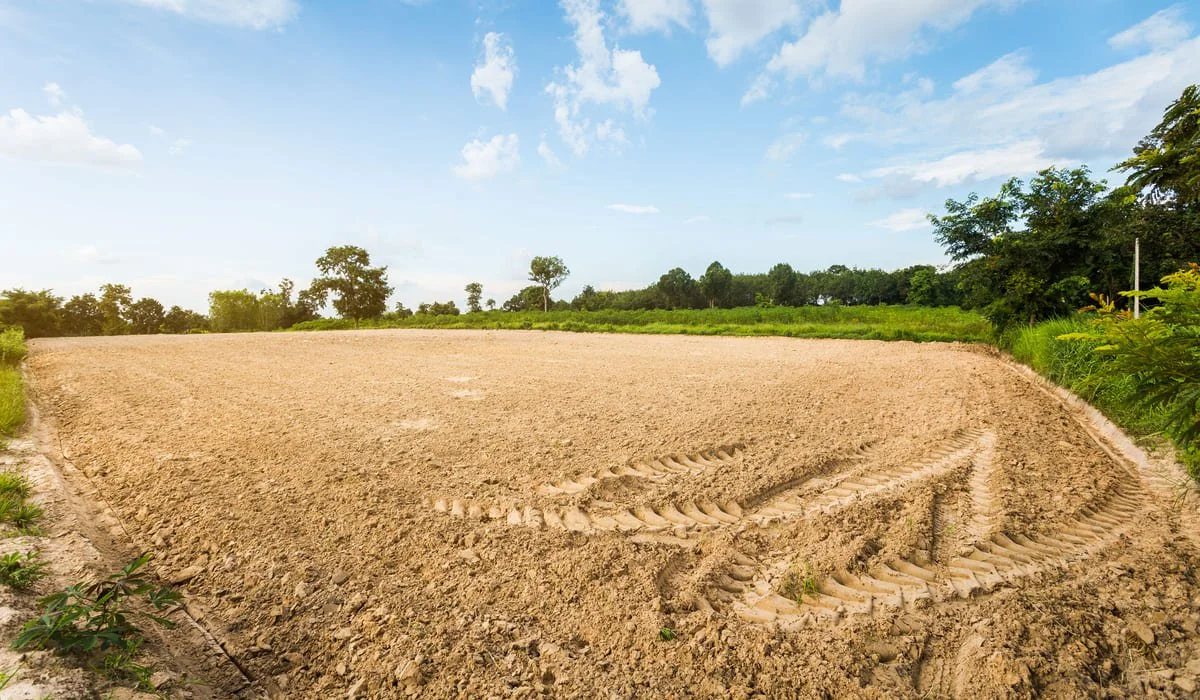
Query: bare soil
507, 514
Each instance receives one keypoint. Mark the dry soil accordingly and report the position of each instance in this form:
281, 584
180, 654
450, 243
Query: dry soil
392, 513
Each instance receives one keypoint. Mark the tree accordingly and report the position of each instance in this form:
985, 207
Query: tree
548, 272
233, 310
361, 290
438, 308
81, 315
676, 287
179, 320
114, 303
304, 308
38, 313
145, 316
1166, 164
474, 294
491, 304
528, 299
782, 281
715, 284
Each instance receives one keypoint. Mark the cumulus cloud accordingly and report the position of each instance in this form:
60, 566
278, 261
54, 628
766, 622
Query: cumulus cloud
251, 14
54, 94
606, 77
65, 138
483, 160
494, 76
1162, 30
1016, 159
655, 15
903, 220
737, 25
840, 42
634, 208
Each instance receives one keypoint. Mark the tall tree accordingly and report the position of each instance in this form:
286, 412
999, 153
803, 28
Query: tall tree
676, 287
1166, 164
715, 284
180, 320
114, 304
782, 280
361, 290
474, 294
81, 315
548, 272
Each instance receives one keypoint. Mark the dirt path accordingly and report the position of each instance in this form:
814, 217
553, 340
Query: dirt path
381, 514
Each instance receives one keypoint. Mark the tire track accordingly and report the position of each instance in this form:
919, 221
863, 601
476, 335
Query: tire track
660, 468
999, 559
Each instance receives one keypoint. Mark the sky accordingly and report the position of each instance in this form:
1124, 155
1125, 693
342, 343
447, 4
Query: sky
182, 146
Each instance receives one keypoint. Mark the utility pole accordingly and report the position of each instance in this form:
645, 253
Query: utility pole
1137, 276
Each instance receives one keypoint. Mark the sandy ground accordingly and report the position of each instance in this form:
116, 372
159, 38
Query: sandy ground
508, 514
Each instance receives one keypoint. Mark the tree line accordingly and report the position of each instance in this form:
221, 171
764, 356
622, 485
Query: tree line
1033, 251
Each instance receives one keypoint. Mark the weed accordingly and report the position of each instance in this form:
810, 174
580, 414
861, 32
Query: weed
7, 677
798, 582
14, 484
12, 400
21, 570
12, 346
96, 620
666, 634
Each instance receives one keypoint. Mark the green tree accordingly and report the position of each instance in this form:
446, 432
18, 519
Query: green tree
548, 273
81, 315
715, 284
677, 287
115, 300
474, 294
361, 290
528, 299
782, 284
233, 310
179, 320
145, 316
491, 304
1166, 164
38, 313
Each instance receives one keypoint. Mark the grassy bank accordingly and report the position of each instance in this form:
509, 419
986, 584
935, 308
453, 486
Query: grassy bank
12, 393
1074, 365
922, 324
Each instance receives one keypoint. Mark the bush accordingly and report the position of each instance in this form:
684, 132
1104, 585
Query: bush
21, 570
12, 346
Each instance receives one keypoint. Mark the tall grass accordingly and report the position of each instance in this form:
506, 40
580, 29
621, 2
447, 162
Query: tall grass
1074, 365
914, 323
12, 392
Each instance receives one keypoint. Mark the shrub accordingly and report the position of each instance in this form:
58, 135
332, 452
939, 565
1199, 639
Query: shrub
21, 570
12, 346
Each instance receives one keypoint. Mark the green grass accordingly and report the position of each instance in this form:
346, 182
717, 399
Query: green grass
12, 346
1074, 365
921, 324
12, 392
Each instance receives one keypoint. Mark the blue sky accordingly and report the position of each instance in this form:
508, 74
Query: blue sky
183, 146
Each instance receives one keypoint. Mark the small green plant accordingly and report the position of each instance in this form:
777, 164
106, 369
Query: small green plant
14, 484
12, 346
798, 582
7, 677
97, 620
21, 570
666, 634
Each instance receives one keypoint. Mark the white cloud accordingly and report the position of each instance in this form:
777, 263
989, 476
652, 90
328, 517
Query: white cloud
92, 254
903, 220
737, 25
64, 138
1016, 159
549, 156
1000, 121
495, 74
840, 42
178, 146
1164, 29
634, 208
608, 131
157, 131
847, 177
615, 78
799, 195
487, 159
54, 94
760, 89
655, 15
784, 147
253, 14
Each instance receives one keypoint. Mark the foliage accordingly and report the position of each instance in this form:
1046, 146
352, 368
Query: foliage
99, 619
530, 298
1166, 164
115, 300
179, 320
81, 315
145, 316
361, 291
715, 284
548, 273
36, 313
12, 346
831, 321
438, 308
12, 390
666, 634
21, 570
678, 288
474, 292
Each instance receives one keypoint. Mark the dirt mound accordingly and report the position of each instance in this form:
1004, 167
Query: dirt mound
383, 514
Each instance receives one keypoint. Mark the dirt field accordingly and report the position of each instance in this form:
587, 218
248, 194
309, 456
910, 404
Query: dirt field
381, 514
